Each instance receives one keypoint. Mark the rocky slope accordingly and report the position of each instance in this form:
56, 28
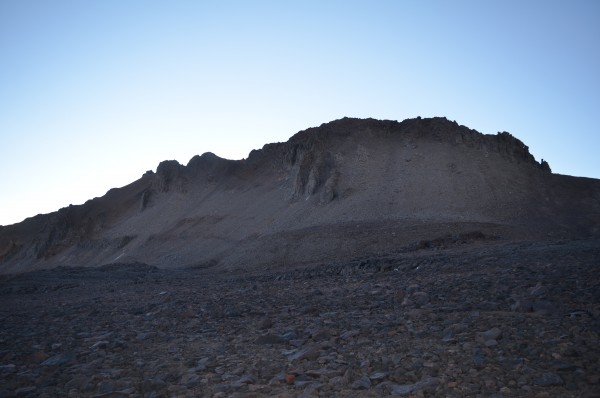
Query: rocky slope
346, 189
360, 258
448, 319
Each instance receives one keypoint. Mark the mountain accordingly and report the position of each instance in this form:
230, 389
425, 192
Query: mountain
344, 190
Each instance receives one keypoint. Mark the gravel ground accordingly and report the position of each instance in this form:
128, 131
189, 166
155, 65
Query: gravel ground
484, 319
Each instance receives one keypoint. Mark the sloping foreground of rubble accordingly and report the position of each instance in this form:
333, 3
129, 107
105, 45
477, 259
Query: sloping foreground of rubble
491, 319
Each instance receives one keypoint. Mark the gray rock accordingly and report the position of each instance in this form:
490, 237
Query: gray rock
290, 335
544, 307
10, 368
488, 306
522, 305
265, 323
538, 290
113, 394
232, 312
311, 352
100, 345
564, 366
364, 383
143, 336
448, 336
402, 389
491, 334
322, 372
269, 339
24, 391
426, 383
349, 334
59, 359
191, 380
203, 363
549, 379
105, 386
412, 288
155, 383
479, 358
245, 379
318, 334
420, 298
378, 376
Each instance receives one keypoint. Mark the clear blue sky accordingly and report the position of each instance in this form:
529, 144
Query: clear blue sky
94, 93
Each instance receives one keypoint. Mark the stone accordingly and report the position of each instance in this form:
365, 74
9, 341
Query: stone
38, 357
544, 307
402, 390
378, 376
9, 368
100, 345
58, 360
564, 366
412, 288
290, 335
191, 380
349, 334
538, 290
114, 394
548, 379
420, 298
311, 352
105, 386
155, 383
491, 334
290, 378
265, 323
25, 391
593, 378
488, 306
247, 379
364, 383
322, 372
269, 339
479, 358
232, 312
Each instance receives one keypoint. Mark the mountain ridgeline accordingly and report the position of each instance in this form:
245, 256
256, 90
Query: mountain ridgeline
345, 190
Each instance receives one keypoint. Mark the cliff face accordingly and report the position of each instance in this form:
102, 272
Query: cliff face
334, 192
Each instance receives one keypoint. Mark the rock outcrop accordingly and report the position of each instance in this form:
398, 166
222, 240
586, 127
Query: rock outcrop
337, 191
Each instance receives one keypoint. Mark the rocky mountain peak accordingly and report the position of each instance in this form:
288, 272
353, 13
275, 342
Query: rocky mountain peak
438, 129
332, 191
359, 258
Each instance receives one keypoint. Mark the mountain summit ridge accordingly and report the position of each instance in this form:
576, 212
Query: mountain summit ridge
329, 193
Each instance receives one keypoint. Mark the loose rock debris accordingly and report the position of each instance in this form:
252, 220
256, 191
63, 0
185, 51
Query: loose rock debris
490, 320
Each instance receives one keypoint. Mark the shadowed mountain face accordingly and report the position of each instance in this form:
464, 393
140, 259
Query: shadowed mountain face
347, 189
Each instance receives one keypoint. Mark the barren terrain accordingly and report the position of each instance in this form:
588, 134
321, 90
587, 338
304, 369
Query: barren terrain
334, 192
360, 258
448, 318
